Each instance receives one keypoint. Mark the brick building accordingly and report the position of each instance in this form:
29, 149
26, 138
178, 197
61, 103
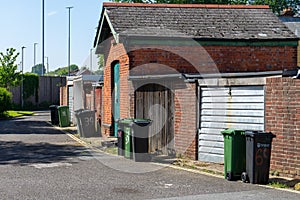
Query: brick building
193, 69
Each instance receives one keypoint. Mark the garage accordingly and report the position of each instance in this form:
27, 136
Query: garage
239, 107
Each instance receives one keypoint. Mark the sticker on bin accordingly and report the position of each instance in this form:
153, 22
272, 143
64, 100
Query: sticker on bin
119, 133
127, 139
260, 145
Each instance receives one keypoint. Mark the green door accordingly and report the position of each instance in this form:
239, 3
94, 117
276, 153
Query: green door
116, 97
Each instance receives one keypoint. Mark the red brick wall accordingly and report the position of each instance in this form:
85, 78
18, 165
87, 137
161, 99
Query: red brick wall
253, 58
213, 59
185, 121
117, 53
63, 100
283, 120
170, 59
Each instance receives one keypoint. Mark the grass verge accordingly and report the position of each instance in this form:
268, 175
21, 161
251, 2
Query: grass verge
13, 113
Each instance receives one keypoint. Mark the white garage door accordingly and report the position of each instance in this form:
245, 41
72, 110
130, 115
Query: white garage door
227, 107
70, 102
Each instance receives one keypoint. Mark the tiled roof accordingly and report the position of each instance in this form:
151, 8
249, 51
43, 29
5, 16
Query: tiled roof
196, 21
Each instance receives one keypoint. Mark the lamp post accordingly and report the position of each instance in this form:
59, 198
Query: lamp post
47, 58
34, 54
91, 59
22, 84
69, 41
43, 36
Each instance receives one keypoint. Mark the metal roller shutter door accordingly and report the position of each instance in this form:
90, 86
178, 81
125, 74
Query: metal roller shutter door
239, 107
70, 102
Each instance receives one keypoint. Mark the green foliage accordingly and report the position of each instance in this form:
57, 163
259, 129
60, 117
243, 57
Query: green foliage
63, 71
31, 85
9, 77
5, 100
277, 6
37, 69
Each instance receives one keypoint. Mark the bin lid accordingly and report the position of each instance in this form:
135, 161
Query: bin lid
127, 121
53, 106
250, 133
62, 107
232, 131
130, 121
142, 122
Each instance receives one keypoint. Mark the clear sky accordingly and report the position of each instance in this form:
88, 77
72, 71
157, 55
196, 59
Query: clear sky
21, 25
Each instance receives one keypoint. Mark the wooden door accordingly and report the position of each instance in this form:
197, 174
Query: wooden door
156, 102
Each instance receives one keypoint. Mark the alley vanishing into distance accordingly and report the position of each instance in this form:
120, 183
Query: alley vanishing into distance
38, 161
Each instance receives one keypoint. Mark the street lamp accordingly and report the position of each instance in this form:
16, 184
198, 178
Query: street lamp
91, 59
43, 36
47, 58
22, 84
69, 42
34, 54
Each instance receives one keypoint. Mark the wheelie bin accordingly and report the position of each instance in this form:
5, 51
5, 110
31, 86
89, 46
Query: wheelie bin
77, 119
54, 114
258, 155
140, 134
64, 116
125, 139
87, 123
133, 136
121, 139
234, 153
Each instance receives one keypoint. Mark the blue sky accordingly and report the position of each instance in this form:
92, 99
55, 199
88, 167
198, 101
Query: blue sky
21, 22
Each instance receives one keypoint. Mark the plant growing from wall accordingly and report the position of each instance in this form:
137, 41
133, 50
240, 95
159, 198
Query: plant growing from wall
31, 85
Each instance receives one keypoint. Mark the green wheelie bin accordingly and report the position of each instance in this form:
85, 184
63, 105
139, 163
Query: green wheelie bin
133, 139
234, 153
125, 137
64, 116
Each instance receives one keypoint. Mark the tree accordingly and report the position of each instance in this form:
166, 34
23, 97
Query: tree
37, 69
277, 6
5, 100
63, 71
9, 77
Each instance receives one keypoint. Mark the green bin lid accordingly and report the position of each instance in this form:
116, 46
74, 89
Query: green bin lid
232, 131
61, 107
125, 121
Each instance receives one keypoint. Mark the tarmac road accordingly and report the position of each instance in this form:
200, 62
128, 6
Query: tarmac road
38, 161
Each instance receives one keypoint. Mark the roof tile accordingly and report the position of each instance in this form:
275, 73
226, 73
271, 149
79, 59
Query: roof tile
197, 21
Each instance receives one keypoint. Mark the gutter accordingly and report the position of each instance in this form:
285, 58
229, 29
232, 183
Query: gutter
155, 77
194, 77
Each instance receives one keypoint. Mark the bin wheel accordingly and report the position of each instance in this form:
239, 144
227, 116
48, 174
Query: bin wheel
245, 177
229, 176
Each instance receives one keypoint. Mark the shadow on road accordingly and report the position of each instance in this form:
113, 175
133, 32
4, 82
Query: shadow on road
19, 153
27, 127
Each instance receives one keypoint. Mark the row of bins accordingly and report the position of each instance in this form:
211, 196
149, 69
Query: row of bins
133, 139
60, 115
247, 155
85, 119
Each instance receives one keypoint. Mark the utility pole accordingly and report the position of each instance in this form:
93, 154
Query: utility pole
47, 58
91, 59
43, 35
69, 41
34, 53
22, 83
